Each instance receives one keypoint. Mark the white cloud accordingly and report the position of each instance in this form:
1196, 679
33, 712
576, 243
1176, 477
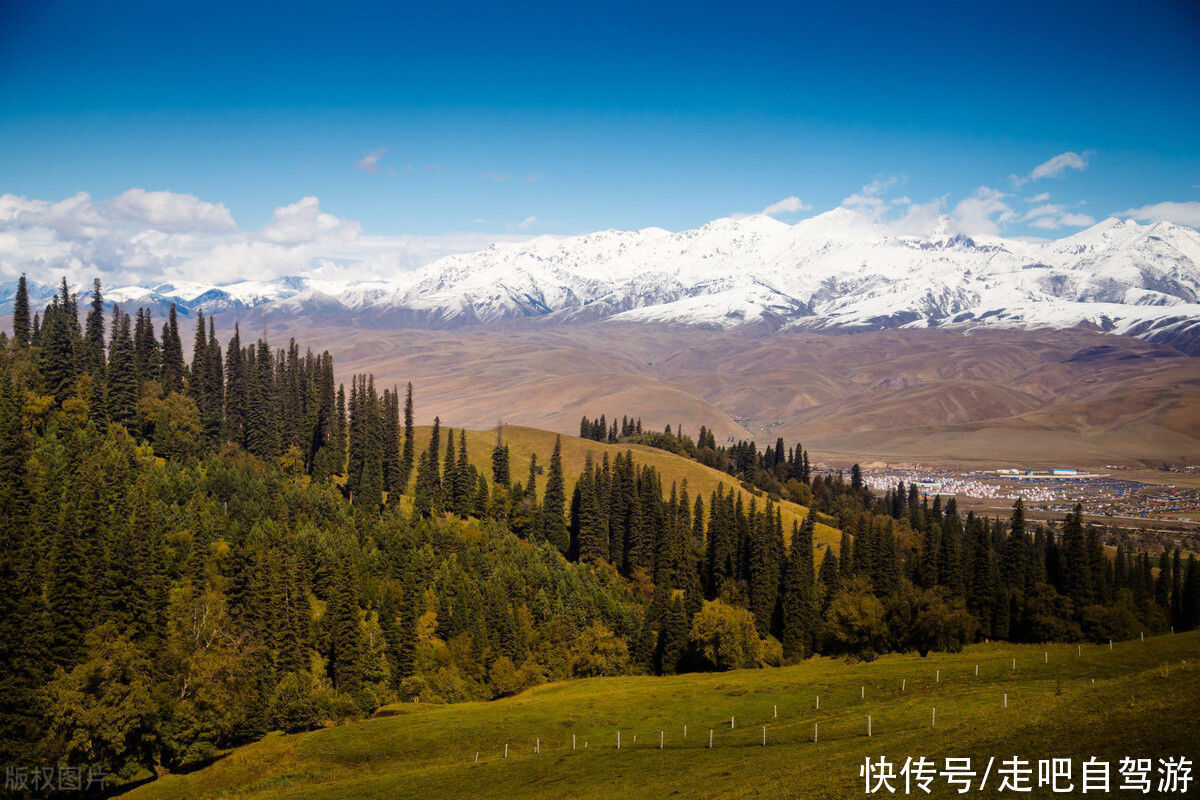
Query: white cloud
1038, 198
531, 178
919, 218
526, 223
305, 222
1076, 220
788, 205
1049, 209
370, 162
494, 177
1185, 213
1057, 165
869, 201
144, 238
983, 212
882, 183
168, 211
863, 202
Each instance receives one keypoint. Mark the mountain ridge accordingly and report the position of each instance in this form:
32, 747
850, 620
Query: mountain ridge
834, 271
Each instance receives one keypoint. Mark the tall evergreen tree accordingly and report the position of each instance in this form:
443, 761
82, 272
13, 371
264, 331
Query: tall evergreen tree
21, 325
122, 381
553, 524
799, 602
57, 358
406, 458
93, 339
237, 390
390, 408
173, 368
345, 633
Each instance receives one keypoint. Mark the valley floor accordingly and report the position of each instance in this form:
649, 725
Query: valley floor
1137, 699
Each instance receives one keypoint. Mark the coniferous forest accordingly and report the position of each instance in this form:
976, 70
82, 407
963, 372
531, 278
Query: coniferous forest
197, 551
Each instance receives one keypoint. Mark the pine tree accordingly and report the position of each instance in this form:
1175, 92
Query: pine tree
340, 433
57, 351
213, 412
406, 459
20, 314
21, 657
173, 368
93, 340
831, 580
799, 607
262, 425
451, 485
390, 408
590, 533
500, 473
345, 634
465, 486
122, 382
370, 488
673, 638
552, 524
435, 467
237, 391
197, 387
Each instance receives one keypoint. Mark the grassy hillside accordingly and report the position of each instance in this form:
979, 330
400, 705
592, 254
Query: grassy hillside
523, 442
1138, 699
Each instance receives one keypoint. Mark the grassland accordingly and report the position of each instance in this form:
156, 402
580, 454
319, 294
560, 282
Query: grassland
1138, 699
523, 442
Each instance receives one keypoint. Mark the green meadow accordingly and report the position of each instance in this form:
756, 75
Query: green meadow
1137, 699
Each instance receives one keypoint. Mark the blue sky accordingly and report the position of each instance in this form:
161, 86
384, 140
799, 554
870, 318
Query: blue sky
445, 119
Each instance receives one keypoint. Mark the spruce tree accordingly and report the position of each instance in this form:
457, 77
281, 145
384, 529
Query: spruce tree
451, 484
500, 472
799, 607
213, 412
465, 486
57, 359
553, 525
406, 458
173, 368
262, 425
21, 657
237, 390
371, 484
122, 382
20, 314
390, 408
93, 339
345, 633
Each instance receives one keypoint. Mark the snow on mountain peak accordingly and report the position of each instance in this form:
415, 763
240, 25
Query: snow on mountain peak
837, 269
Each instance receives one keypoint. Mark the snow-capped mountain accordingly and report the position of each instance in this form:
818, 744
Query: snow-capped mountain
834, 270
